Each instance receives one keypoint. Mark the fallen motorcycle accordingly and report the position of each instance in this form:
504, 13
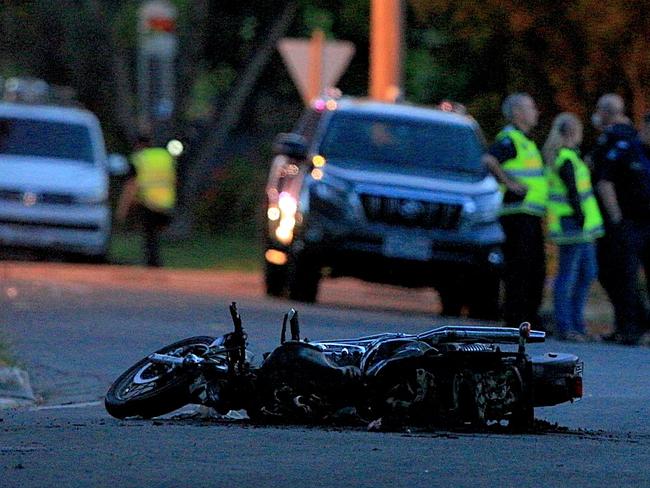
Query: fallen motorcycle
446, 377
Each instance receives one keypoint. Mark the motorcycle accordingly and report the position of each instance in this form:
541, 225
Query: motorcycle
448, 377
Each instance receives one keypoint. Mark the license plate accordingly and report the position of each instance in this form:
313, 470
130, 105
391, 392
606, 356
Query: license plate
407, 247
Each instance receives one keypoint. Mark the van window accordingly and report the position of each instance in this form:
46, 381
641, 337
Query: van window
44, 138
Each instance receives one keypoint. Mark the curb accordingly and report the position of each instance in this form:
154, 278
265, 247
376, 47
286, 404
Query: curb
15, 388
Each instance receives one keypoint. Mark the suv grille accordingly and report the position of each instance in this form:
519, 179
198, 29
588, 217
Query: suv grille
411, 213
49, 198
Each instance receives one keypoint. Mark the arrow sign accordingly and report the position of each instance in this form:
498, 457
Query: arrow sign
306, 58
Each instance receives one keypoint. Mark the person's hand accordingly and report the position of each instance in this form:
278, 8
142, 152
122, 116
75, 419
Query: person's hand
120, 217
517, 188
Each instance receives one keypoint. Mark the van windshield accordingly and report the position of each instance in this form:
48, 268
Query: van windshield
46, 139
414, 144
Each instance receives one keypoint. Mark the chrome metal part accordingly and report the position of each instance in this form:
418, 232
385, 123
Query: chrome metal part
473, 333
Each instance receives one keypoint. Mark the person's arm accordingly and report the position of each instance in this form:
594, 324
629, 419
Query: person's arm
494, 166
606, 172
127, 199
567, 175
608, 198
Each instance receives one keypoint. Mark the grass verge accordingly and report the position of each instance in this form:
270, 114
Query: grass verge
5, 356
227, 252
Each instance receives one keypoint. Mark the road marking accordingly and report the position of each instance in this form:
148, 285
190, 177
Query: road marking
69, 405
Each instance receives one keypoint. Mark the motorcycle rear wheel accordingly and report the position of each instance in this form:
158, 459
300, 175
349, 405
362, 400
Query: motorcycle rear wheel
149, 390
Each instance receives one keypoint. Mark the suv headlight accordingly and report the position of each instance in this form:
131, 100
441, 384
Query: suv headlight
325, 191
284, 217
92, 198
331, 197
486, 207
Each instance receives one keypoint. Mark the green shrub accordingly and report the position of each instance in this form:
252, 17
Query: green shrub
234, 201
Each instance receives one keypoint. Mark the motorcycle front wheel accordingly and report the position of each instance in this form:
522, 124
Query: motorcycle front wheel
148, 389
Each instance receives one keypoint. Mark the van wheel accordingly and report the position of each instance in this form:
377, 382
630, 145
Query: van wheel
304, 278
275, 279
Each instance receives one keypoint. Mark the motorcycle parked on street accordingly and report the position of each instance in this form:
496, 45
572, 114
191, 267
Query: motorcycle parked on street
445, 377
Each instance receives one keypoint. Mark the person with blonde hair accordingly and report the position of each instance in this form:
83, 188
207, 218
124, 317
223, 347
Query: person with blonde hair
574, 223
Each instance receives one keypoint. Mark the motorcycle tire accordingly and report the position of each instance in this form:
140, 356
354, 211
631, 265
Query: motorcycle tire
149, 390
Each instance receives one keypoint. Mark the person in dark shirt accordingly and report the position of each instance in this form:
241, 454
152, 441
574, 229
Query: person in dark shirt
517, 164
622, 175
644, 136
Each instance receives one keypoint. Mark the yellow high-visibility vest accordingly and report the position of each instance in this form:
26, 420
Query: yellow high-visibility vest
156, 177
526, 168
559, 206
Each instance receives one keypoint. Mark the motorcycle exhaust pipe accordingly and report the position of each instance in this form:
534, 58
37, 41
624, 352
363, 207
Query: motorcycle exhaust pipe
456, 333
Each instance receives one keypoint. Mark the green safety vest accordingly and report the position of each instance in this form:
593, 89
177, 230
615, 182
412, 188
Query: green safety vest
156, 177
526, 168
559, 206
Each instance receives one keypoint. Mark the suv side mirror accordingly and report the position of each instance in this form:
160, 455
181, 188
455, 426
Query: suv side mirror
117, 165
290, 145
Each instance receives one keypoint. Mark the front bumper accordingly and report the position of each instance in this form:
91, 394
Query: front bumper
75, 228
384, 253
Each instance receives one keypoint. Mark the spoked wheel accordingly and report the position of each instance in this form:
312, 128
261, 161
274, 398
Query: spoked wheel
148, 389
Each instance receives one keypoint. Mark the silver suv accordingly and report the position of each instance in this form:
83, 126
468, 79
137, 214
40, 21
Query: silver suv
388, 193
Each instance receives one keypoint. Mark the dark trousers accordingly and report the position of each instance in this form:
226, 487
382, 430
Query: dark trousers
153, 224
620, 254
525, 269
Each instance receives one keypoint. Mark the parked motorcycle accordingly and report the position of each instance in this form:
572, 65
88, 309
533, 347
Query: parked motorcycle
449, 376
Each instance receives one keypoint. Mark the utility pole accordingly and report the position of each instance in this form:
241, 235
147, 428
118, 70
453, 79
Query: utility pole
386, 47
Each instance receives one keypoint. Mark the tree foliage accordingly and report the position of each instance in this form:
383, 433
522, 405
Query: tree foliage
564, 53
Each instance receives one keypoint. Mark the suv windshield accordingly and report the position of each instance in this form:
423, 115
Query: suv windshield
418, 144
47, 139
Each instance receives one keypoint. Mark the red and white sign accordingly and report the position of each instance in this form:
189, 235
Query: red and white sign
157, 16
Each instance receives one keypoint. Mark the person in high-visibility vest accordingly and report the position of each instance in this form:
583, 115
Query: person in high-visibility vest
574, 224
151, 188
517, 164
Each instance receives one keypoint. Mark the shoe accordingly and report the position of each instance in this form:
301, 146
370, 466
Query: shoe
623, 339
573, 336
589, 337
613, 338
644, 340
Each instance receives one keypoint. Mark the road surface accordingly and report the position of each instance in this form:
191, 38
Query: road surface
75, 328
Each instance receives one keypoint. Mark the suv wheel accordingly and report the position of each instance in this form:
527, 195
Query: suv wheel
275, 279
484, 296
303, 280
451, 298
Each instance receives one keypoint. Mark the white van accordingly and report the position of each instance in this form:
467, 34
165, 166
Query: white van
54, 179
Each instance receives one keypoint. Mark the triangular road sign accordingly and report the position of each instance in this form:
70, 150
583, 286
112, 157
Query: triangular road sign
335, 58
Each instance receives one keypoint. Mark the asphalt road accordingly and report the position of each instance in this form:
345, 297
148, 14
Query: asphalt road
76, 328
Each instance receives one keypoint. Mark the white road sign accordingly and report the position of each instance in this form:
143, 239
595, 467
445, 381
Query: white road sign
335, 57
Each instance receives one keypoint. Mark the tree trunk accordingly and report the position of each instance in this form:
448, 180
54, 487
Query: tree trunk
225, 120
